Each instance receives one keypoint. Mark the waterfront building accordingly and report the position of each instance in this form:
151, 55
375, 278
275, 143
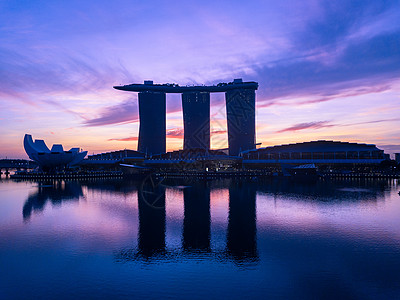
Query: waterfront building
194, 159
241, 120
152, 116
196, 120
240, 106
117, 155
315, 152
51, 159
112, 160
333, 154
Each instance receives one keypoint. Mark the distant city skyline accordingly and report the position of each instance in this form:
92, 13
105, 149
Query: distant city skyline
326, 70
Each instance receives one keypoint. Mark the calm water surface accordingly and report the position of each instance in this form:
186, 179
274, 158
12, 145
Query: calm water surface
222, 239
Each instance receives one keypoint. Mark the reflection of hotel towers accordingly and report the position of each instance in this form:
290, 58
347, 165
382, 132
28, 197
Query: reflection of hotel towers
241, 234
240, 108
196, 222
152, 221
242, 227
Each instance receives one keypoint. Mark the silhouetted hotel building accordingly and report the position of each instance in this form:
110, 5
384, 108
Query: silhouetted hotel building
241, 119
152, 112
240, 109
196, 120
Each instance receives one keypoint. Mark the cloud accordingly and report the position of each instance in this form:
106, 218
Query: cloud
369, 63
364, 67
345, 46
122, 113
128, 139
354, 92
64, 109
392, 148
215, 132
310, 125
71, 73
372, 122
339, 19
327, 124
175, 133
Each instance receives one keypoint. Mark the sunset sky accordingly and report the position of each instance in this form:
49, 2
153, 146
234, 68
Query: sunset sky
326, 69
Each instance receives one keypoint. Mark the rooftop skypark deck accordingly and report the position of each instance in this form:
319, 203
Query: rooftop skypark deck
149, 86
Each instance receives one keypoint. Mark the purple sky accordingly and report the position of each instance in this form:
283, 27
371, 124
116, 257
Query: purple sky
326, 69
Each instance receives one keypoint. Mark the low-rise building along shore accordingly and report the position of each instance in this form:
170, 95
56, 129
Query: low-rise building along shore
321, 153
317, 152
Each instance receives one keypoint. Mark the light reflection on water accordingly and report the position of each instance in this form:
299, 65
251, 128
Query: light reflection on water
179, 239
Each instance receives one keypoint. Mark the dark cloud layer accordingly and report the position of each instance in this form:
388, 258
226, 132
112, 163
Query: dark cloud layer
370, 62
338, 19
330, 56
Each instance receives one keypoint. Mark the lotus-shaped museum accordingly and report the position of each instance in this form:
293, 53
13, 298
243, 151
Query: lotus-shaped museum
54, 158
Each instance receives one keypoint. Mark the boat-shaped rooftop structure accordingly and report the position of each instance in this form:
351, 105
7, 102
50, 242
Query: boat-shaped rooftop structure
149, 86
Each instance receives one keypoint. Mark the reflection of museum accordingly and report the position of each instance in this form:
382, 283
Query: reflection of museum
55, 192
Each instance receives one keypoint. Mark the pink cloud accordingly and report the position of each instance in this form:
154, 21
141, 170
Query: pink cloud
309, 125
215, 132
175, 133
364, 90
128, 139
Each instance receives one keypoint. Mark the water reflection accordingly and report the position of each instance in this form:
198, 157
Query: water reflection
56, 192
327, 190
241, 245
241, 237
166, 239
114, 186
151, 204
197, 219
241, 234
